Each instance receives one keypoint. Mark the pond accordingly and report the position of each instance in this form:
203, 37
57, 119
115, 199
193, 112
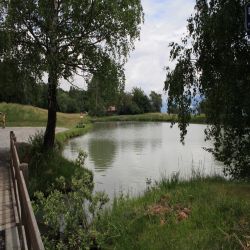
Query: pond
124, 155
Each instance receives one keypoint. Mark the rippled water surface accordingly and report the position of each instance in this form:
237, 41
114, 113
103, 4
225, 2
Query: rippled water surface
123, 155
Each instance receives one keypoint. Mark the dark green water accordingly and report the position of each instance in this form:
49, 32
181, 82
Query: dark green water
123, 155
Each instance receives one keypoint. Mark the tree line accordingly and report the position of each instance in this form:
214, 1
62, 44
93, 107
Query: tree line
96, 100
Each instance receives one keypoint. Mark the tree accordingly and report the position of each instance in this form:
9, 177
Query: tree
155, 101
126, 105
213, 60
141, 100
104, 87
70, 37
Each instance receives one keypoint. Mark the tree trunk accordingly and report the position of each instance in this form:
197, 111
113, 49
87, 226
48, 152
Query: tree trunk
49, 137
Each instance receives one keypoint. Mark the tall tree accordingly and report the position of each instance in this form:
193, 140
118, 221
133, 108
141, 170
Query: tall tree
104, 87
155, 101
141, 100
67, 37
214, 60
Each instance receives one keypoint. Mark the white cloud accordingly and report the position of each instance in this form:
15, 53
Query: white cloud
165, 21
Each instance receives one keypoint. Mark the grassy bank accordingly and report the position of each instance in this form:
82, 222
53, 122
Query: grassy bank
24, 115
149, 117
73, 132
209, 213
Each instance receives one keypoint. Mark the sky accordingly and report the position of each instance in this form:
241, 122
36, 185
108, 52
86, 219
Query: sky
165, 22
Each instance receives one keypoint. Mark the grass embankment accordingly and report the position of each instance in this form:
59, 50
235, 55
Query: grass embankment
209, 213
149, 117
18, 115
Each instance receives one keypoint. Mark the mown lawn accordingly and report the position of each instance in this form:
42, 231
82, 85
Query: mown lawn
25, 115
209, 213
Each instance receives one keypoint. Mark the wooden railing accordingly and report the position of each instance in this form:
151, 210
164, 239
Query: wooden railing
29, 234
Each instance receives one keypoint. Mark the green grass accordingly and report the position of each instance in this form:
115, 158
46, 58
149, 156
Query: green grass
24, 115
73, 132
154, 117
218, 217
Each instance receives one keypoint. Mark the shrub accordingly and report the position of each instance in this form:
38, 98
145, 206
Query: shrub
46, 167
70, 216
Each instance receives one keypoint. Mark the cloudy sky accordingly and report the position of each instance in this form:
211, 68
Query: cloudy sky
165, 21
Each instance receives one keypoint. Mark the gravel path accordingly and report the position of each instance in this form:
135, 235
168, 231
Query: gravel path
22, 134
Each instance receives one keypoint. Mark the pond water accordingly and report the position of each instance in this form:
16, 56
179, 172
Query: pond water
124, 155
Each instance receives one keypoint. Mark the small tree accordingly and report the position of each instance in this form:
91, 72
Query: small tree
67, 37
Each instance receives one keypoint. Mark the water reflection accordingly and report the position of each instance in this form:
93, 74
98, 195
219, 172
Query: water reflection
123, 155
102, 153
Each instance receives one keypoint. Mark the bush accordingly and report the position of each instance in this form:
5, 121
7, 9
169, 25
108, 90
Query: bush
70, 216
46, 167
80, 125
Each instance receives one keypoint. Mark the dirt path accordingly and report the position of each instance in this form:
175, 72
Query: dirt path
22, 134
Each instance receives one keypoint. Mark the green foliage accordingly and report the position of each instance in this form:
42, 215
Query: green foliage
212, 61
141, 100
104, 88
70, 217
72, 101
45, 167
126, 105
137, 102
155, 101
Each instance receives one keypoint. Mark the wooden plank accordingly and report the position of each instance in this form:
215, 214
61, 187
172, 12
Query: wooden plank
12, 239
6, 212
8, 225
7, 220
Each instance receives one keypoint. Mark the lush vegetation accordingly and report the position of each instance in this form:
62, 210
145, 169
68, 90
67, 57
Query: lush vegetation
45, 167
203, 213
149, 117
68, 215
213, 61
93, 39
137, 102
